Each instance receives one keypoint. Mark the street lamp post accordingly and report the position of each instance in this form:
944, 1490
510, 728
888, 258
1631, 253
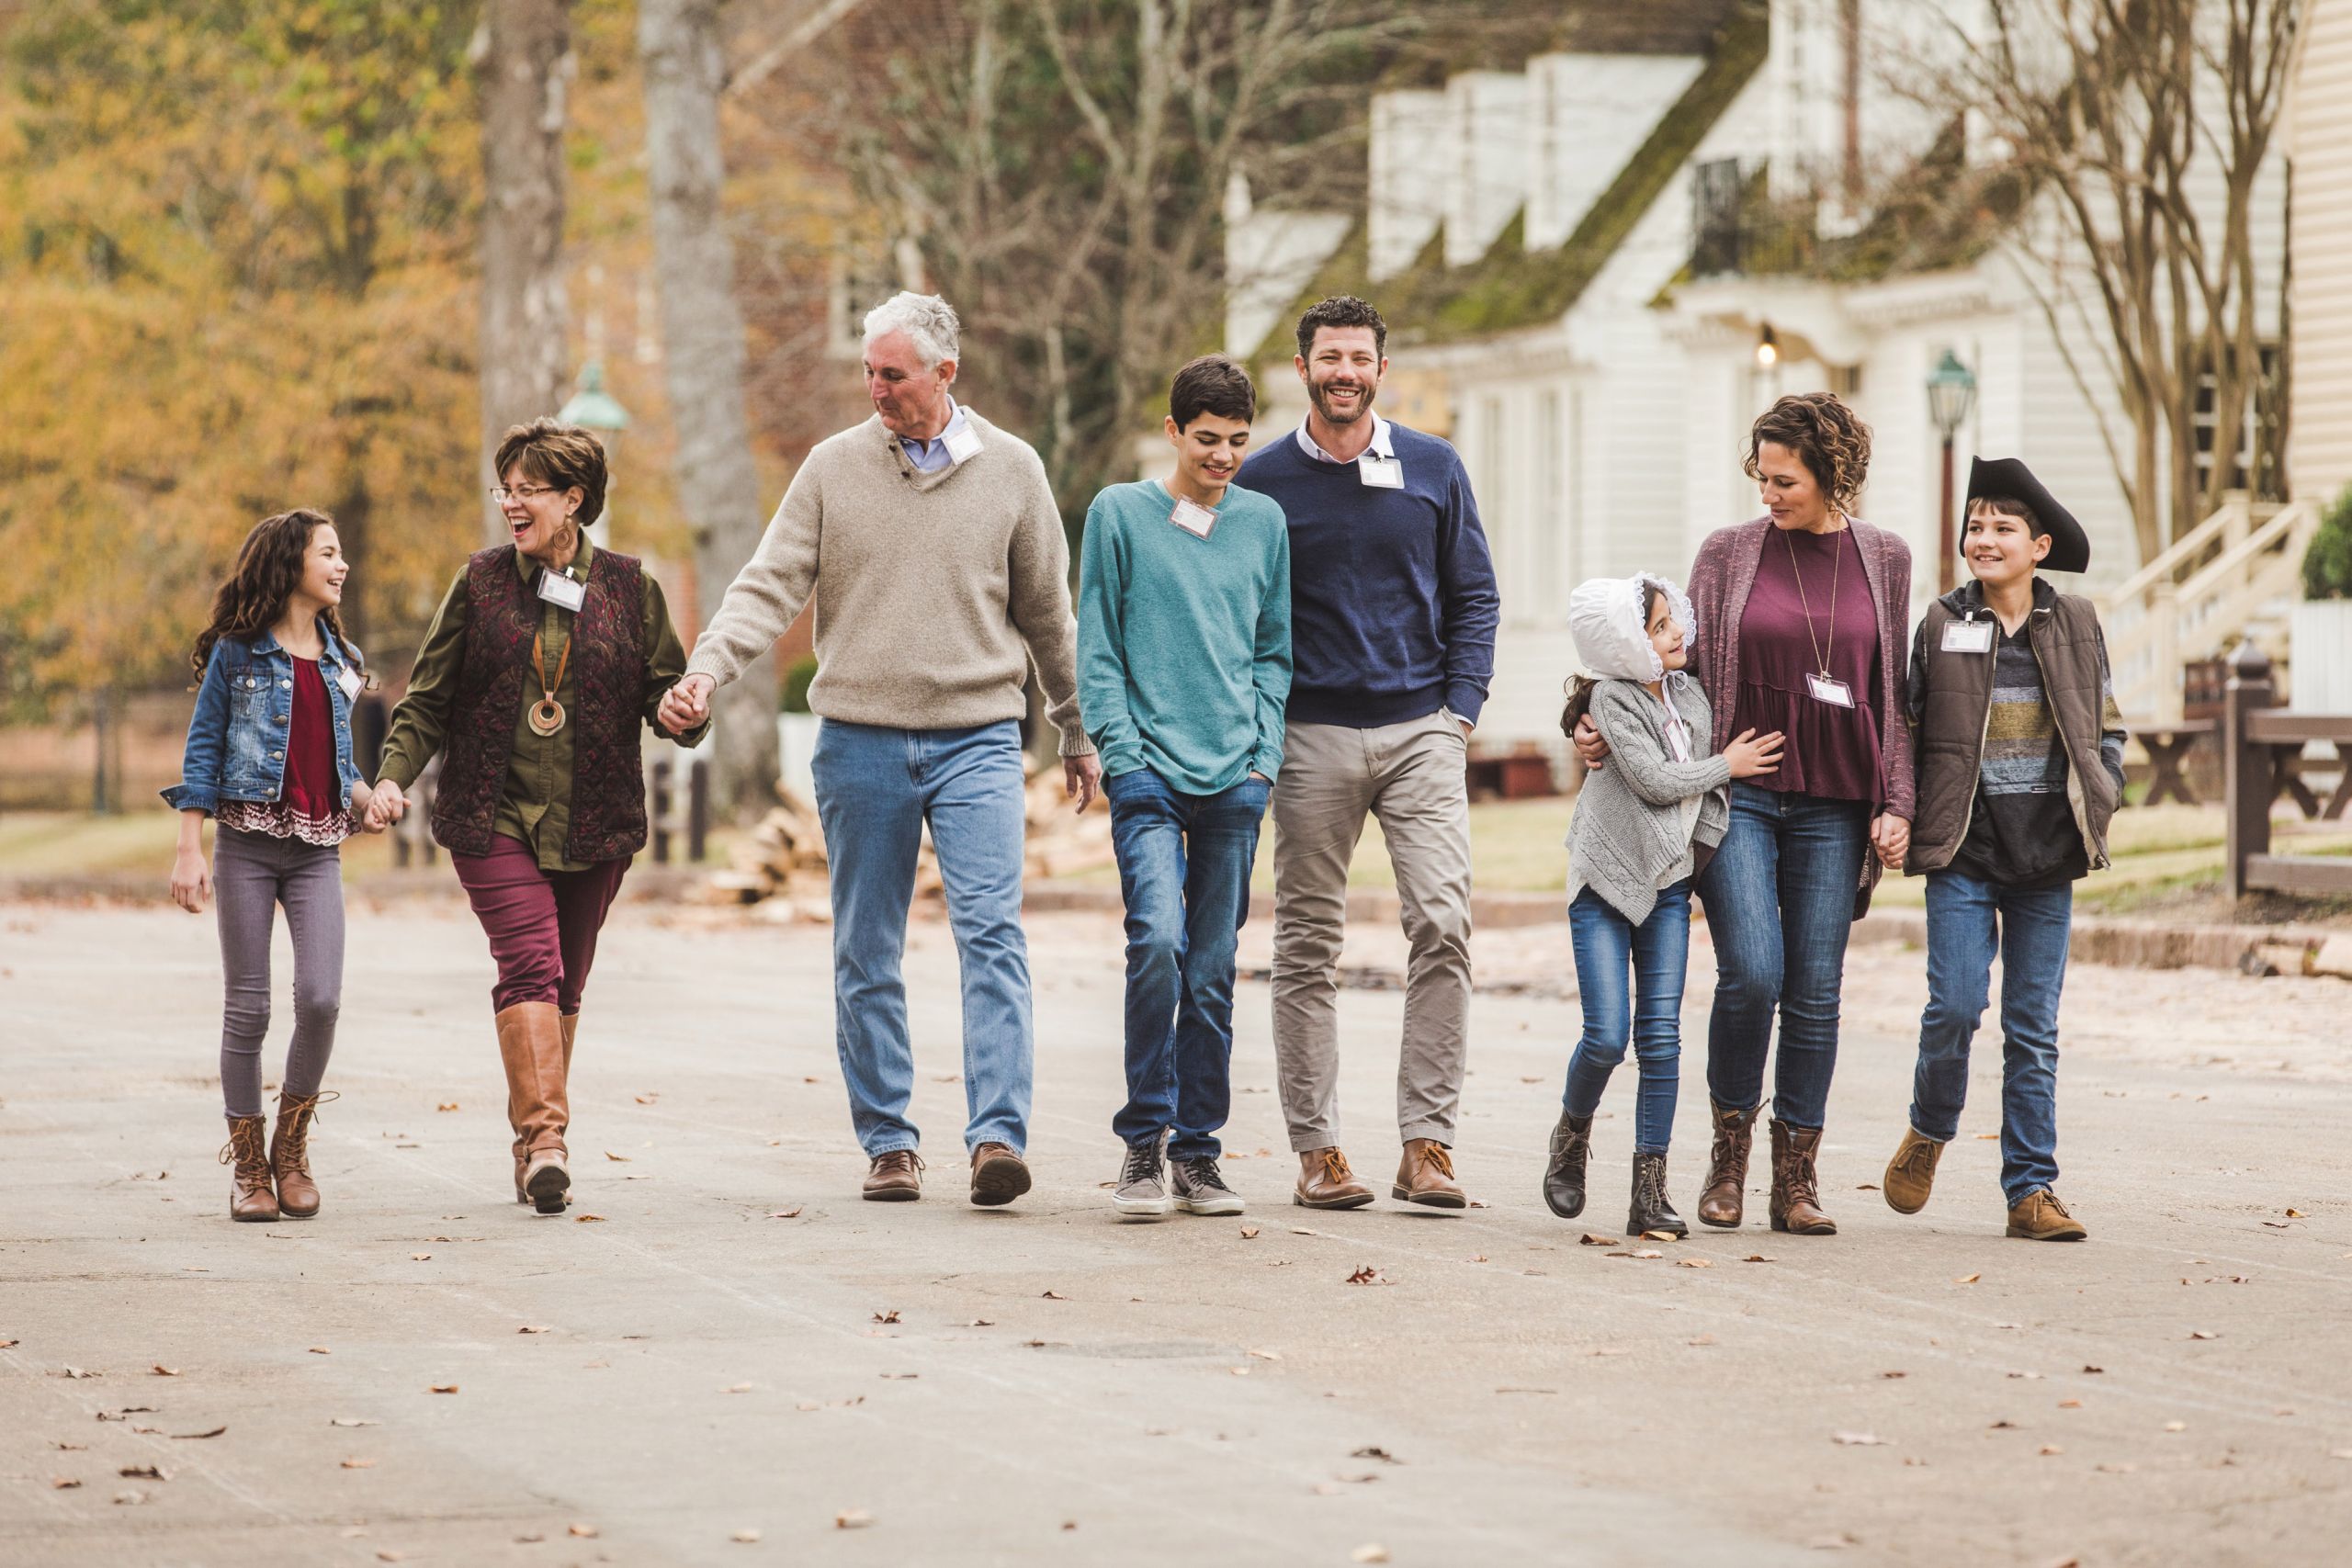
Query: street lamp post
593, 408
1952, 392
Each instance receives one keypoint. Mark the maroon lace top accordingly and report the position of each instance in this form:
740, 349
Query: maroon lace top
310, 807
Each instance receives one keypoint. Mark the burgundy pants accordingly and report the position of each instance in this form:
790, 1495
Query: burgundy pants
542, 925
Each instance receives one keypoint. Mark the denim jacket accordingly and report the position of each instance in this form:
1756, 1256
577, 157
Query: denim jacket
244, 708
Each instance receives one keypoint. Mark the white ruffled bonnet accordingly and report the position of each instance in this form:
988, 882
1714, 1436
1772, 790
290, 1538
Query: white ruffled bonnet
1605, 618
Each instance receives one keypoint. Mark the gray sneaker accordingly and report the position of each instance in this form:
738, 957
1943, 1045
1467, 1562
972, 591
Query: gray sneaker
1201, 1188
1142, 1190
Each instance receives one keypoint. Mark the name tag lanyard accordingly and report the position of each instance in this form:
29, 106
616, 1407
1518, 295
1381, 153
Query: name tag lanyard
547, 715
1826, 687
1193, 517
1969, 636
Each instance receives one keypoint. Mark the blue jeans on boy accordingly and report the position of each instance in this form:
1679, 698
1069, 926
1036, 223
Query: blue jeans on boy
1658, 951
1184, 863
1780, 901
1968, 919
875, 788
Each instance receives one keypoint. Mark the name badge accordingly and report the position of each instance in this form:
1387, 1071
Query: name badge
562, 591
963, 444
348, 679
1193, 517
1968, 636
1835, 693
1379, 472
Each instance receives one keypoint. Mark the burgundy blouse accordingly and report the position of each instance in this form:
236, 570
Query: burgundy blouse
1832, 752
311, 806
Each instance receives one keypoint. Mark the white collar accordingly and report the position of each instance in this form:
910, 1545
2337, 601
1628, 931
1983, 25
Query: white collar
1380, 442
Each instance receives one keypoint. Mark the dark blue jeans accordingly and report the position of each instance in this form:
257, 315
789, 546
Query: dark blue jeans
1967, 921
1779, 902
1184, 863
1657, 951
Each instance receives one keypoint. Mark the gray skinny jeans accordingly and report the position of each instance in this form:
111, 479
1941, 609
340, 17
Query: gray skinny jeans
251, 874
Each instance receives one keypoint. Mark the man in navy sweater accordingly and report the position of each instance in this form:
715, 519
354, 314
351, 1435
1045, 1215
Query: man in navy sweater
1392, 612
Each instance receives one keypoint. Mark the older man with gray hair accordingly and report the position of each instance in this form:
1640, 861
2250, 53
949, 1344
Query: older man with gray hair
930, 541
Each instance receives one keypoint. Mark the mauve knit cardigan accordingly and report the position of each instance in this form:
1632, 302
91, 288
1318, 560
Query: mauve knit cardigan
1720, 580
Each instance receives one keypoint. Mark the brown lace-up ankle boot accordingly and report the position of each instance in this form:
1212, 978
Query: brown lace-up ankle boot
251, 1197
1796, 1192
1722, 1202
289, 1154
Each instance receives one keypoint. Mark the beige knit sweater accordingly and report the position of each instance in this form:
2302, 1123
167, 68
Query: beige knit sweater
934, 591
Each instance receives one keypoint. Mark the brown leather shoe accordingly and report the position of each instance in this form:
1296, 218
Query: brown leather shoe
895, 1177
1796, 1192
1722, 1201
999, 1176
1911, 1174
247, 1157
1425, 1176
531, 1041
289, 1154
1325, 1182
2039, 1216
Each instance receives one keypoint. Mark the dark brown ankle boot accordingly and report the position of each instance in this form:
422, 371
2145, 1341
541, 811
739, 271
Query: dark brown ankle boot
1796, 1192
290, 1154
250, 1196
1722, 1202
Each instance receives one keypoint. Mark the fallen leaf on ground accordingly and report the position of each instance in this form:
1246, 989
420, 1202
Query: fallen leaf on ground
420, 1257
2175, 1425
161, 1370
1055, 1296
2050, 1449
351, 1421
2115, 1468
900, 1376
2070, 1404
388, 1555
2089, 1368
586, 1532
1383, 1455
75, 1372
69, 1448
360, 1464
737, 1388
2002, 1426
446, 1105
1759, 1257
1660, 1235
981, 1323
891, 1316
445, 1388
1967, 1278
1266, 1355
531, 1328
65, 1484
791, 1213
1703, 1340
852, 1518
1858, 1440
616, 1159
130, 1499
189, 1436
1248, 1232
141, 1472
1366, 1275
1986, 1137
744, 1537
1895, 1374
1370, 1552
1589, 1239
1695, 1263
321, 1350
2297, 1215
587, 1219
1865, 1185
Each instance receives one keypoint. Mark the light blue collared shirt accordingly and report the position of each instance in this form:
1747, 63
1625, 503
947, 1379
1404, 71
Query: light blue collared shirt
1380, 442
930, 456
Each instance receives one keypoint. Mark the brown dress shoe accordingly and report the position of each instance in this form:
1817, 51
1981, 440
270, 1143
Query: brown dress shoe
2039, 1216
895, 1177
289, 1154
999, 1176
538, 1102
247, 1157
1722, 1201
1425, 1176
1325, 1182
1796, 1192
1911, 1174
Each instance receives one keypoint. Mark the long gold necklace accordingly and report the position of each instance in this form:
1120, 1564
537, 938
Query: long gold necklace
547, 715
1836, 559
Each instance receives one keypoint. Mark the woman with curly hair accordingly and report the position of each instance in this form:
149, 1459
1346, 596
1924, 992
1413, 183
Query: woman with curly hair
268, 757
539, 675
1803, 616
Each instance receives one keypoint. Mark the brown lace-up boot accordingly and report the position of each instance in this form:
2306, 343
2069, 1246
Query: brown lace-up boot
1325, 1182
247, 1156
289, 1154
531, 1041
1722, 1202
1425, 1176
1796, 1192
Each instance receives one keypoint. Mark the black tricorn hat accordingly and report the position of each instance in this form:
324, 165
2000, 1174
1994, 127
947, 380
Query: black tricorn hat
2070, 548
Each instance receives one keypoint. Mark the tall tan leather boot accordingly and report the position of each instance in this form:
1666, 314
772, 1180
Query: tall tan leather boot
251, 1197
522, 1154
289, 1154
531, 1041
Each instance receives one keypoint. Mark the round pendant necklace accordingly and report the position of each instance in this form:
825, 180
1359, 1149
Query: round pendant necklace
547, 715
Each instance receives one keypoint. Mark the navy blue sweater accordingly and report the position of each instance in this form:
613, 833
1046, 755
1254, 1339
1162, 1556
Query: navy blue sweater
1392, 593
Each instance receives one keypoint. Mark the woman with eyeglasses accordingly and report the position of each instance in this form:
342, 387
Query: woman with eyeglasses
538, 673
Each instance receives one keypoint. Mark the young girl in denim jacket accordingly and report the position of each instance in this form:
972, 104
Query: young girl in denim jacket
268, 757
1640, 828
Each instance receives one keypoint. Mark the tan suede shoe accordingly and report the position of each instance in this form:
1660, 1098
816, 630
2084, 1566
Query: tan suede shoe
1325, 1182
1425, 1176
2039, 1216
1911, 1174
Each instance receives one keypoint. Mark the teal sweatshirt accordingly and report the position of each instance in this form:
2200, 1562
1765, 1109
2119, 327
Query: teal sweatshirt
1183, 642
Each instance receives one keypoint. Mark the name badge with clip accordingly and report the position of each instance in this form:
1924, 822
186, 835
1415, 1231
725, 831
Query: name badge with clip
1835, 693
1968, 636
348, 679
562, 590
1379, 472
1193, 517
963, 444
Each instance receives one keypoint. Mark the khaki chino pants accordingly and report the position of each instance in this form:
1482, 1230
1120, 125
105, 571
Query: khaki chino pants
1412, 777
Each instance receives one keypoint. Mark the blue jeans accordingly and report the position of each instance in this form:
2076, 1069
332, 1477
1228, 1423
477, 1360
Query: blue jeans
1967, 919
1780, 901
1184, 863
1657, 951
875, 788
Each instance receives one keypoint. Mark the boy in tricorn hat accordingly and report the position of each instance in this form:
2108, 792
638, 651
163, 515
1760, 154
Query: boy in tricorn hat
2020, 766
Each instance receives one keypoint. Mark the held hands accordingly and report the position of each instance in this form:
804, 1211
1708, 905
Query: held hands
1591, 749
1890, 836
191, 880
685, 704
1082, 779
362, 797
1751, 754
387, 805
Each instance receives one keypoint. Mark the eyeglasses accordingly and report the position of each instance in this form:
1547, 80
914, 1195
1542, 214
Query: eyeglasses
501, 495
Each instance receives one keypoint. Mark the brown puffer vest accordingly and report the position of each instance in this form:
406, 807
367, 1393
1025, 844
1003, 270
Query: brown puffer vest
1951, 701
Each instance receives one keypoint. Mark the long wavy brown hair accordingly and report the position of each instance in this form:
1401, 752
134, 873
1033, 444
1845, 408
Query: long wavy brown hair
269, 569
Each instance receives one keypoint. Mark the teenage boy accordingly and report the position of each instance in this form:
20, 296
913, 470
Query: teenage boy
2020, 767
1184, 667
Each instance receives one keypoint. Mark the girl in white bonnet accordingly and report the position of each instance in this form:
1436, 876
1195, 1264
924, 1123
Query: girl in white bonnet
1642, 828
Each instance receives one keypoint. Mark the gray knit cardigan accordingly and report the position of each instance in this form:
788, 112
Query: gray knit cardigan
1631, 835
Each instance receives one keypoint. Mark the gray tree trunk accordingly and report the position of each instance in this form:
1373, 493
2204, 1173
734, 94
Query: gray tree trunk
702, 329
523, 52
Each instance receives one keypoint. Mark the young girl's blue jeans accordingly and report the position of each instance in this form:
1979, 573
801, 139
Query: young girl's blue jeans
1648, 1011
